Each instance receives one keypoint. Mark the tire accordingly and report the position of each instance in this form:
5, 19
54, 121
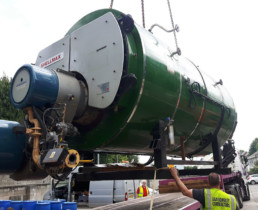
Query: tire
253, 182
247, 195
233, 190
239, 197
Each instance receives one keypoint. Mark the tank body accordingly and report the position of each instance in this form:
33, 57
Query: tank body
105, 87
11, 147
167, 87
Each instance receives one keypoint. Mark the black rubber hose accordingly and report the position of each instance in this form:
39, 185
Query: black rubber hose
43, 126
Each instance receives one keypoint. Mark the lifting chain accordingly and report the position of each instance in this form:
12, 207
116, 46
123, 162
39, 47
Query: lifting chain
111, 4
172, 22
143, 16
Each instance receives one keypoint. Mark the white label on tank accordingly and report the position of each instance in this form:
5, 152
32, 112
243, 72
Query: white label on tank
104, 88
52, 60
21, 85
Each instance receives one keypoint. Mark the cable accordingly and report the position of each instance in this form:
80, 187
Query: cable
153, 187
143, 15
172, 22
149, 161
42, 124
111, 4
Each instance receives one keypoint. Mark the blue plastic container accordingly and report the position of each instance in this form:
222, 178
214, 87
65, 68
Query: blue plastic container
56, 205
61, 200
44, 201
4, 204
16, 205
69, 206
43, 206
29, 205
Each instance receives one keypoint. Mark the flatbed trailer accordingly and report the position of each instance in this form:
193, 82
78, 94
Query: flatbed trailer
170, 199
169, 196
161, 201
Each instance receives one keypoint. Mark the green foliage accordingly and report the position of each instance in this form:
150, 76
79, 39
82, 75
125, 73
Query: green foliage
241, 151
7, 111
253, 147
190, 167
254, 170
113, 158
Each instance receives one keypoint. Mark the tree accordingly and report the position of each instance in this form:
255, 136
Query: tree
253, 147
7, 110
254, 170
113, 158
241, 151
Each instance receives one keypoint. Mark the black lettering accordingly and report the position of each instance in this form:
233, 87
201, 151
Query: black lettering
216, 203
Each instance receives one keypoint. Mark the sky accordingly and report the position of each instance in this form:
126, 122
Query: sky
220, 36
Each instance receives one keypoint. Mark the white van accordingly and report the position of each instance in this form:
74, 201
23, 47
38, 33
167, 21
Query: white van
107, 192
93, 194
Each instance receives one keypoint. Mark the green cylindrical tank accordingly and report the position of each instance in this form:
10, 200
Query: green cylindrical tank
167, 87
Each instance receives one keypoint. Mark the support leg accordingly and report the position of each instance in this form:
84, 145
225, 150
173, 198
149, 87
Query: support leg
182, 140
216, 152
160, 149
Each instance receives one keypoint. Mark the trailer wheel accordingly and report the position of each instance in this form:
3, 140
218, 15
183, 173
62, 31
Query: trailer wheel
247, 195
233, 190
239, 196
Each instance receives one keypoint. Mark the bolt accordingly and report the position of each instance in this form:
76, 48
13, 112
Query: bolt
63, 66
63, 44
74, 60
114, 43
75, 37
106, 21
40, 56
114, 71
93, 79
102, 97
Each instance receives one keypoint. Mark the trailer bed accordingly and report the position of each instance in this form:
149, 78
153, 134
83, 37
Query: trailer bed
161, 202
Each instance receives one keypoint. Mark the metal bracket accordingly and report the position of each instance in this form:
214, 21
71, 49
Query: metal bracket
159, 145
144, 173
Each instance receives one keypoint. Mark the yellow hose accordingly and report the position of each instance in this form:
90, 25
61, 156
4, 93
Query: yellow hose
34, 133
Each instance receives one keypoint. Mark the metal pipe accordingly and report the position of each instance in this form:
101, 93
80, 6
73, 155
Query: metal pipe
86, 161
34, 133
182, 139
161, 27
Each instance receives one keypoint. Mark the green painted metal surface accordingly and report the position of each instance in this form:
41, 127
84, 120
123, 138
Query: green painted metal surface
163, 89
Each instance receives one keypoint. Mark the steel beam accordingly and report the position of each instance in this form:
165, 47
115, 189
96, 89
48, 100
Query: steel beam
143, 174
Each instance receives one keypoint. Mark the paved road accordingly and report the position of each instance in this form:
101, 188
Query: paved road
253, 203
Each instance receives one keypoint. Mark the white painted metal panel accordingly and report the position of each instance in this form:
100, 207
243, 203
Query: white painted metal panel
55, 56
97, 52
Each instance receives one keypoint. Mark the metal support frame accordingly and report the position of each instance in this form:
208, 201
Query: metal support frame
191, 162
160, 158
146, 173
216, 153
182, 141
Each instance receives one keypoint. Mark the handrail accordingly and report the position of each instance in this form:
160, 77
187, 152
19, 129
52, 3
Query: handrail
161, 27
